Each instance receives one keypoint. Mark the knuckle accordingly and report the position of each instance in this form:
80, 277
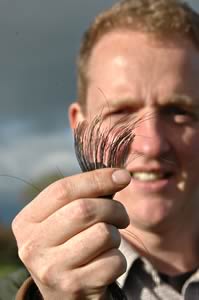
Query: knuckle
99, 182
27, 252
46, 275
66, 187
103, 232
84, 209
61, 188
108, 234
70, 284
16, 225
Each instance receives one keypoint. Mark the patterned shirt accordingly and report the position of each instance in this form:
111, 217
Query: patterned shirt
142, 282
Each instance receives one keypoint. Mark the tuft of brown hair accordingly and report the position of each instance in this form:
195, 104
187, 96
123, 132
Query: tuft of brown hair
162, 18
97, 148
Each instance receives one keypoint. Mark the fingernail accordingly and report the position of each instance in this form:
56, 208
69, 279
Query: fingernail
121, 177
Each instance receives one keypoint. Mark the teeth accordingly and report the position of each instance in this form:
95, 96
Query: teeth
147, 176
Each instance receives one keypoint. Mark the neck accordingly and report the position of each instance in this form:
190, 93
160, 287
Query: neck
171, 251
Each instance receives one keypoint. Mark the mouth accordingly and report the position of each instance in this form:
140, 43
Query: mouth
151, 176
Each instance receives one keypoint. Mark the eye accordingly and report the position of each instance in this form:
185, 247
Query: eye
118, 113
179, 114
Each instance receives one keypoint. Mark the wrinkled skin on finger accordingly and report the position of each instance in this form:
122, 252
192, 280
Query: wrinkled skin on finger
67, 235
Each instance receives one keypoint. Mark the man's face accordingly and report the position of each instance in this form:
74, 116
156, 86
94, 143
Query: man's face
134, 75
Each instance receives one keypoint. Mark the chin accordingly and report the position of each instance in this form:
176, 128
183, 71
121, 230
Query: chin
148, 211
149, 223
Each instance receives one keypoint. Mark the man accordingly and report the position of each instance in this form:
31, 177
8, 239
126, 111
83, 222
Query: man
143, 55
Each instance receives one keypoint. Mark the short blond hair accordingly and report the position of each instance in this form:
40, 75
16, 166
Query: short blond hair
163, 18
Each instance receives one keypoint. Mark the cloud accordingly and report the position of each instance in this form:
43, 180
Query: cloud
39, 42
32, 156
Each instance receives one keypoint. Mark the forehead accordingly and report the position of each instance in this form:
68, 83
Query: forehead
144, 47
127, 63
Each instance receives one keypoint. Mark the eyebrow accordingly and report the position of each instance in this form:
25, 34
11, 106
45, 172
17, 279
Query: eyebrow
116, 102
181, 100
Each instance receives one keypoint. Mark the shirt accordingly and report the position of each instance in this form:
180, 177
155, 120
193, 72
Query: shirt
142, 282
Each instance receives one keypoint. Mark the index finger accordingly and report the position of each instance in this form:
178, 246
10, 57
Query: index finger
93, 184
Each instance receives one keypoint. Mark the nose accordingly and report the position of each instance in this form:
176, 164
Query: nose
151, 138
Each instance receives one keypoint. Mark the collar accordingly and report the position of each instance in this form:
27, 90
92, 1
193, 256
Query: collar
131, 256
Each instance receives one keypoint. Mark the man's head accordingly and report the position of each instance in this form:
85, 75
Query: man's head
162, 18
141, 73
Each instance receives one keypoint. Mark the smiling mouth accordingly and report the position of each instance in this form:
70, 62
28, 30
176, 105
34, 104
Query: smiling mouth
150, 175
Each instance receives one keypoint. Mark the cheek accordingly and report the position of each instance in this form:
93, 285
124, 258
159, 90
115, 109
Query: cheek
186, 144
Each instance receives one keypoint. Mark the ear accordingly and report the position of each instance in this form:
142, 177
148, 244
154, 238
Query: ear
75, 115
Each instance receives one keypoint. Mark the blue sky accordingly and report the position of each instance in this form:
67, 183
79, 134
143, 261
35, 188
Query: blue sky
39, 43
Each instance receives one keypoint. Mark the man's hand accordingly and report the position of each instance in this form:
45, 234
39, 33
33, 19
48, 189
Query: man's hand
68, 238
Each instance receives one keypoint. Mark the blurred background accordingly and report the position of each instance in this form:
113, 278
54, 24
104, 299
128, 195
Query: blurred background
39, 43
